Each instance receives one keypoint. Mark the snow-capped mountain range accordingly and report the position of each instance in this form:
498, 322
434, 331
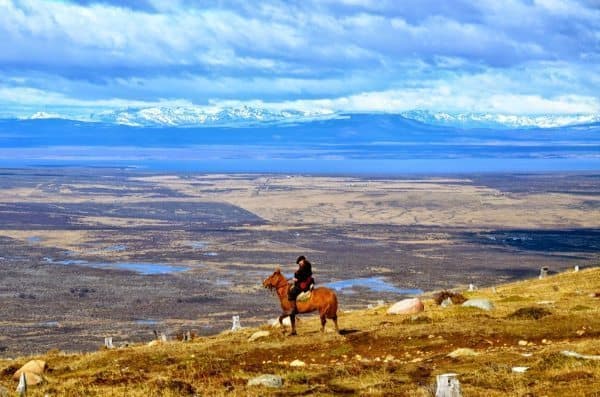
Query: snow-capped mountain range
181, 116
494, 120
196, 116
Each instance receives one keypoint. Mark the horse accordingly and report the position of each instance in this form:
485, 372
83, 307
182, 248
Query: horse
322, 299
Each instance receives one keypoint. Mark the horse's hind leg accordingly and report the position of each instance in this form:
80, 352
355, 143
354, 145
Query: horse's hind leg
334, 318
323, 321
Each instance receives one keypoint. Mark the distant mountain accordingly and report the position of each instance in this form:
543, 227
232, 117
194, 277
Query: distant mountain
182, 116
494, 120
248, 116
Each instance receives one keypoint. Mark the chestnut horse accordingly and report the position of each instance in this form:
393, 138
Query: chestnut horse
322, 299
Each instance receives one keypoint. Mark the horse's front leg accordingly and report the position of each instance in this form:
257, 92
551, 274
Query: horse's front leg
283, 315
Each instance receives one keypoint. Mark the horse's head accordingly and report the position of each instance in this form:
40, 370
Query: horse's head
275, 280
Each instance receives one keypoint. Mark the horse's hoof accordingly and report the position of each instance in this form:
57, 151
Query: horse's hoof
293, 334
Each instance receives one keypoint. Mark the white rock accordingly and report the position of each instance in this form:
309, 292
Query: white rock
407, 306
462, 352
286, 322
569, 353
258, 335
522, 343
446, 302
483, 304
519, 370
297, 363
267, 380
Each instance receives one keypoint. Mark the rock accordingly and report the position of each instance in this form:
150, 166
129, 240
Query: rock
462, 352
569, 353
258, 335
267, 380
446, 302
483, 304
286, 322
35, 367
297, 363
389, 358
33, 379
522, 343
519, 370
407, 306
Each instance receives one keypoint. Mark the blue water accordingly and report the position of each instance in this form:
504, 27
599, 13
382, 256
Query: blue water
137, 267
197, 244
329, 167
146, 321
377, 284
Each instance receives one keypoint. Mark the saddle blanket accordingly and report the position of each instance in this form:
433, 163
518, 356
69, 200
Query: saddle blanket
304, 296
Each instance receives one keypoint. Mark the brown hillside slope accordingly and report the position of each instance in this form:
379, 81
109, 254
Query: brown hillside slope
378, 354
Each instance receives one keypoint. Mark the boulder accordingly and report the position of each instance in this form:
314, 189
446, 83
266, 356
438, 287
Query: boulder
258, 335
267, 380
35, 367
33, 379
483, 304
407, 306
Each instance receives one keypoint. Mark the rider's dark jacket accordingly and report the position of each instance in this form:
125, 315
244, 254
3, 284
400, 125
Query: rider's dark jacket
302, 275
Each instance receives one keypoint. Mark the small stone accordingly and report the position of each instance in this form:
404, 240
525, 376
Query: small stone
483, 304
267, 380
520, 370
446, 302
580, 332
462, 352
358, 357
258, 335
522, 343
297, 363
431, 336
389, 358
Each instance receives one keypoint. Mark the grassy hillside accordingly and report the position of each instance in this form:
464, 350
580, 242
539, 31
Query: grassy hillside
378, 354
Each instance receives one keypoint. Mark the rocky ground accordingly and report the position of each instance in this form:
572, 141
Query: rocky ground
540, 338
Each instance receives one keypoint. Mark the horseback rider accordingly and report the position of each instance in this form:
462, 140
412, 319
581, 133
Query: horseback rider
303, 281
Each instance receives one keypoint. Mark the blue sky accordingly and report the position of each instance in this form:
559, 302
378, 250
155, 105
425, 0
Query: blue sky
510, 56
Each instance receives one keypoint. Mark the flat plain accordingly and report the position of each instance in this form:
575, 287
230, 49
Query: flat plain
87, 253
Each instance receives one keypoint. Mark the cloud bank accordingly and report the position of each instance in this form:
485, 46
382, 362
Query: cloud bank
515, 56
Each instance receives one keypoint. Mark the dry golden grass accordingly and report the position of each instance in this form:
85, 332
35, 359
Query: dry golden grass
378, 354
